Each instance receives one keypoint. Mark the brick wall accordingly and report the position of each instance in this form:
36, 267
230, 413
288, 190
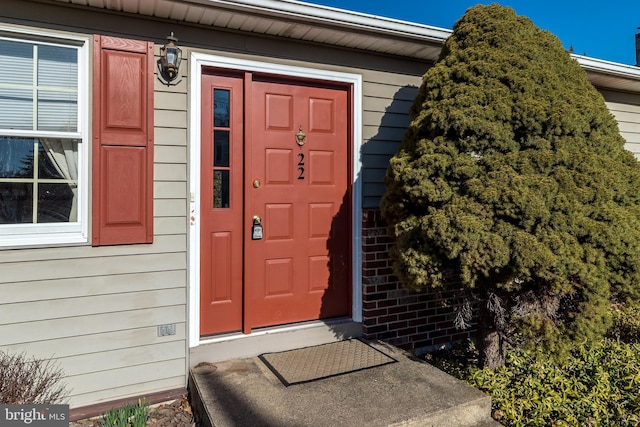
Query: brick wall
407, 319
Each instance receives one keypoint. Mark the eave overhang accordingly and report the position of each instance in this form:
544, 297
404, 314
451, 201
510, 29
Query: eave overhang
332, 26
294, 20
610, 75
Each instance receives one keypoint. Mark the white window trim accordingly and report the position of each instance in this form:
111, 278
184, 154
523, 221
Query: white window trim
196, 63
54, 234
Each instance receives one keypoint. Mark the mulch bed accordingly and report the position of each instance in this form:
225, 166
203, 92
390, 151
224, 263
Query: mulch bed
173, 414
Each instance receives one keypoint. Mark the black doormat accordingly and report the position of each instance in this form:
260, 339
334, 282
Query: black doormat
323, 361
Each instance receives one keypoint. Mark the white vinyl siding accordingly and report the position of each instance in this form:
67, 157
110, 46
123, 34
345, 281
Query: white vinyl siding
625, 107
387, 99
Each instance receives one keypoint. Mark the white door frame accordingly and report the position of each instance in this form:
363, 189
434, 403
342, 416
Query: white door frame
196, 62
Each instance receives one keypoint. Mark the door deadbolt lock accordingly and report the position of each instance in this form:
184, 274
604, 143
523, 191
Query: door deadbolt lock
256, 183
256, 228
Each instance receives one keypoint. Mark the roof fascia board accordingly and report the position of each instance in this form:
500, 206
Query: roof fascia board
340, 18
606, 67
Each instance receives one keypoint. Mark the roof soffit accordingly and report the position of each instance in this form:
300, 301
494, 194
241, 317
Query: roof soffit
292, 19
320, 24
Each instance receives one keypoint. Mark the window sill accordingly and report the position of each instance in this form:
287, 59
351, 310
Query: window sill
21, 236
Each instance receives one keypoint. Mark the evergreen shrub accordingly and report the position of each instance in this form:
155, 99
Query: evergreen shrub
626, 324
513, 180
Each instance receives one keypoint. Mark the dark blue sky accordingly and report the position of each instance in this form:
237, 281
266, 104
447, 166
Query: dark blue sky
602, 30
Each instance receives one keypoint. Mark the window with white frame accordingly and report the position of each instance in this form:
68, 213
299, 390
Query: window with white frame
43, 131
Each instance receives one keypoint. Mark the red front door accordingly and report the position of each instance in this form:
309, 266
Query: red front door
276, 246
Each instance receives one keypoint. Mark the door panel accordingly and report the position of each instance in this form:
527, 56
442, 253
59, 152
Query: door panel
221, 206
300, 269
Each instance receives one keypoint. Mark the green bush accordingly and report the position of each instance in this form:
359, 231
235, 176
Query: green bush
597, 385
130, 415
626, 324
513, 179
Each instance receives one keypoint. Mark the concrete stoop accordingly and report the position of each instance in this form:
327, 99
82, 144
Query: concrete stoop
244, 392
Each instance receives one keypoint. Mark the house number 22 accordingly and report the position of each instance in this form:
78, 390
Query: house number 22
301, 166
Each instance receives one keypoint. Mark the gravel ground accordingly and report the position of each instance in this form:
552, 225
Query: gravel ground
172, 414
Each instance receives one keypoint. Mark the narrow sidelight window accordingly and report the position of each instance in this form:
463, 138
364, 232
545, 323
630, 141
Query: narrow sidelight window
221, 148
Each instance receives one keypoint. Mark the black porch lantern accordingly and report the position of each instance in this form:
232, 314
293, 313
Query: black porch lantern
169, 62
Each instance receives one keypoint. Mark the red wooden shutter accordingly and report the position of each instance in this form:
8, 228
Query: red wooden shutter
122, 141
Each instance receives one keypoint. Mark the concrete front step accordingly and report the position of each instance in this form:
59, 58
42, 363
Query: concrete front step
244, 392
